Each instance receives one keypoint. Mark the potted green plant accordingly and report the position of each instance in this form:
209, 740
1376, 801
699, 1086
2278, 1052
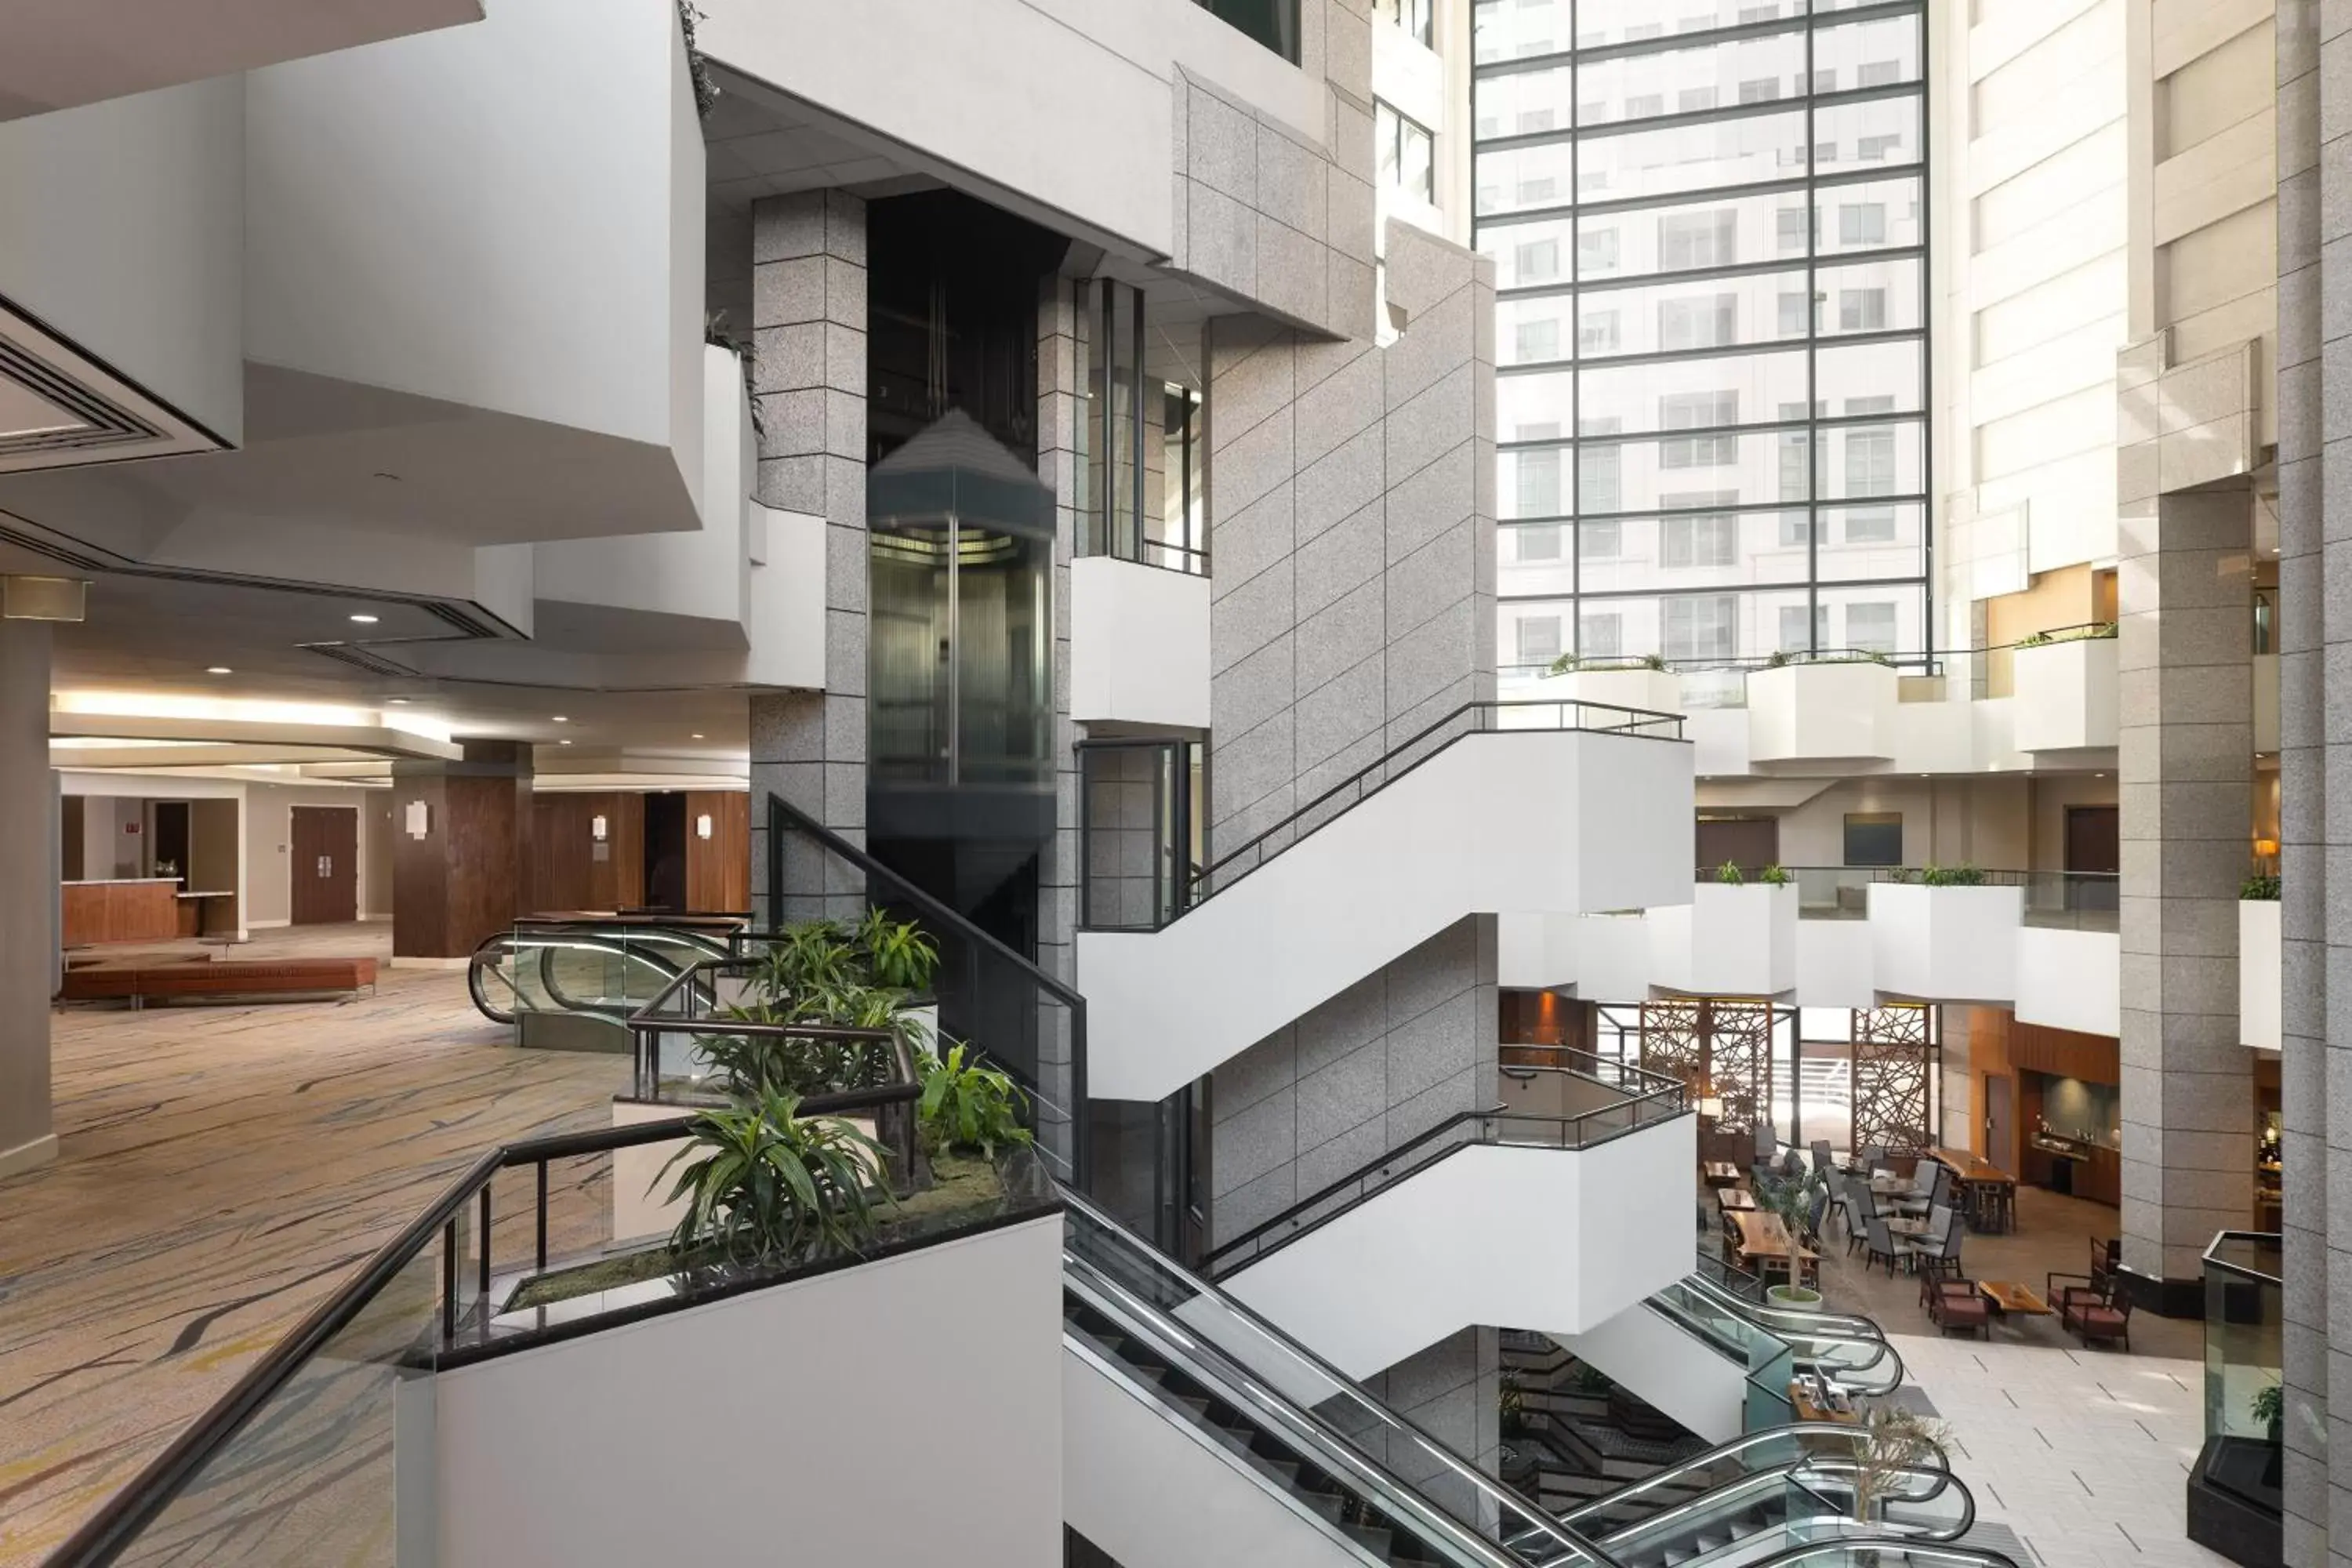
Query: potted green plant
1791, 1198
1961, 876
2269, 1409
1775, 876
761, 1182
969, 1107
1729, 875
2260, 888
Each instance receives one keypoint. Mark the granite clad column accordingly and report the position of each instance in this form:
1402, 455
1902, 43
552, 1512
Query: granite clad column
2302, 793
1061, 377
28, 895
808, 316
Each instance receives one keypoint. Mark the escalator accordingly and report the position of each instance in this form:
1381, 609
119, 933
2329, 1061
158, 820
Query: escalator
570, 984
1847, 1348
1176, 1393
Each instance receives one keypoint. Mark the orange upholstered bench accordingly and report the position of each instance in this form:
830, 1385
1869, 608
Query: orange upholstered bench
219, 977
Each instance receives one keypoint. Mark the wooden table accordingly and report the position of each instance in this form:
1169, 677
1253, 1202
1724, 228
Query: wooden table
136, 908
1720, 1172
1807, 1410
1913, 1228
1991, 1192
1736, 1200
2008, 1296
1765, 1242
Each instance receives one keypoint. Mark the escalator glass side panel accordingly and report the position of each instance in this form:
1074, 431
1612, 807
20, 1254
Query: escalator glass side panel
1754, 1453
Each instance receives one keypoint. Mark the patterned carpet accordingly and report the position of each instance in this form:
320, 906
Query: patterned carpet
221, 1170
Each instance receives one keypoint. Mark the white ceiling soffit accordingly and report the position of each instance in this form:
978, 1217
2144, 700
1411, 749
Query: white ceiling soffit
55, 54
59, 408
344, 740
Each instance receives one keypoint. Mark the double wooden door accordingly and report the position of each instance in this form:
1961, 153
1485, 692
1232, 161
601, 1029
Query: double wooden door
323, 866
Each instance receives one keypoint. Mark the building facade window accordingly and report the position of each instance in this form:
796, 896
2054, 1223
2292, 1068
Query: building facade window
1408, 163
1539, 639
1749, 467
1413, 16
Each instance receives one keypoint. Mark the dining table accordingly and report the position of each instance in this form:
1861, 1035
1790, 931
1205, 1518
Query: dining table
1765, 1243
1988, 1192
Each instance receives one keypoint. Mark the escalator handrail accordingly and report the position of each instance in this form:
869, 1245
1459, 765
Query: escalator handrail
1834, 1325
1463, 1470
510, 942
1795, 1327
1941, 1479
1915, 1553
1793, 1432
1741, 1492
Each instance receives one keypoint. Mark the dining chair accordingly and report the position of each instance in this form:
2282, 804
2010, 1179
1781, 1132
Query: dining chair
1821, 1162
1873, 1156
1882, 1246
1840, 1199
1929, 1243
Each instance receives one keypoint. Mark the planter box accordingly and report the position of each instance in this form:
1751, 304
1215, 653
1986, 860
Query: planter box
2065, 695
1804, 712
1646, 691
1945, 945
2260, 981
1729, 942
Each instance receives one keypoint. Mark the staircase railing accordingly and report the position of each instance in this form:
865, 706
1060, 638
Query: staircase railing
1229, 867
1646, 1098
1029, 1023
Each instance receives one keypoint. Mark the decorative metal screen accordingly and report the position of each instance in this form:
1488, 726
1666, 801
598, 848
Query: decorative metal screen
1893, 1067
1673, 1042
1739, 1065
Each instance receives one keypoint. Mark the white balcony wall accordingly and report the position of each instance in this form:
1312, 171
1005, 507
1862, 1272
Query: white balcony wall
1536, 952
1945, 943
1742, 939
126, 238
2260, 974
1666, 932
1613, 957
1139, 645
1551, 822
1644, 690
699, 575
503, 220
2065, 695
1444, 1247
1803, 712
1055, 107
1833, 965
1155, 1491
591, 1450
2070, 979
786, 598
1669, 1368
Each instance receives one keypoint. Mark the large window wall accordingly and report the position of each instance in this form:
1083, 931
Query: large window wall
1709, 221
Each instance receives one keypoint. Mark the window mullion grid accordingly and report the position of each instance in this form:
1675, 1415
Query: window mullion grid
1815, 456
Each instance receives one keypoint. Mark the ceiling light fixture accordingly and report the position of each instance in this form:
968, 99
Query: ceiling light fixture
219, 669
365, 620
564, 743
397, 701
561, 720
696, 736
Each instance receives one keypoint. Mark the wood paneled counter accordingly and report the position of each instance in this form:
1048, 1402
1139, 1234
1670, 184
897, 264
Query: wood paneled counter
144, 908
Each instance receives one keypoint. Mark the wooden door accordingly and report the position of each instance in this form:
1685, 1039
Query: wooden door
323, 866
1750, 843
2000, 1129
2091, 845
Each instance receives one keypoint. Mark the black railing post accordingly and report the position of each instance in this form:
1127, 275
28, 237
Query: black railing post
449, 1282
541, 1253
485, 1251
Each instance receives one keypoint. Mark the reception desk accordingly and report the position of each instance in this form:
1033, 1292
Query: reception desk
145, 908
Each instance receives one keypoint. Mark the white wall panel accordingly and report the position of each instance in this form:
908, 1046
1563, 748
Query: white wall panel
2070, 979
1669, 1368
1138, 644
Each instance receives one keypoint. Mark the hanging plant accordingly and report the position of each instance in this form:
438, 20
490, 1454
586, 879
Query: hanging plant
705, 91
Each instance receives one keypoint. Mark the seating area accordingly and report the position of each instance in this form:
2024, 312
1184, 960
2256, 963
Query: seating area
151, 977
1885, 1232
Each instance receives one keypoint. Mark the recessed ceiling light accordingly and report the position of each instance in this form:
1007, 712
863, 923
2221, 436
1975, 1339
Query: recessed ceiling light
696, 736
365, 620
561, 720
564, 743
219, 669
397, 701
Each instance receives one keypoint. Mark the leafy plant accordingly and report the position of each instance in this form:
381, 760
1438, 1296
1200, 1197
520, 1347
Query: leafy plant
1512, 1404
1653, 662
1775, 876
2262, 888
1729, 874
2036, 639
1790, 1197
1564, 665
805, 958
716, 334
2268, 1408
1779, 659
1896, 1441
1952, 877
705, 91
898, 953
968, 1105
761, 1182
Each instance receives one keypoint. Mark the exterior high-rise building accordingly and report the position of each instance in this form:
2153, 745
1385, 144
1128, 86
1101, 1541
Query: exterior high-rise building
1710, 232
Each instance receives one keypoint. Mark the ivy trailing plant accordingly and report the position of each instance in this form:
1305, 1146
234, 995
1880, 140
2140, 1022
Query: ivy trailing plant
705, 91
968, 1106
2094, 631
760, 1183
715, 332
1569, 664
1775, 876
1729, 875
2262, 888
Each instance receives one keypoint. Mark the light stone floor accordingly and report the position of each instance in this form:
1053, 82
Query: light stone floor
222, 1169
2085, 1454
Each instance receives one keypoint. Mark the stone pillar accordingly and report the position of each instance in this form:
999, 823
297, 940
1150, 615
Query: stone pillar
2185, 762
808, 319
28, 899
1061, 411
2302, 793
469, 875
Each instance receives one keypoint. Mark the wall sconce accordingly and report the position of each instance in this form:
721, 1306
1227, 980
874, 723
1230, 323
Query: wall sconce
2266, 848
1710, 1107
702, 825
419, 819
597, 829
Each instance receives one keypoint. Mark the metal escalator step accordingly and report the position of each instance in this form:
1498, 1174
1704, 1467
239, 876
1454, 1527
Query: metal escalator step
1376, 1539
1330, 1505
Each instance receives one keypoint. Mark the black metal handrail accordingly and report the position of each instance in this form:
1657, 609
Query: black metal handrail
1585, 1130
944, 920
1224, 870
